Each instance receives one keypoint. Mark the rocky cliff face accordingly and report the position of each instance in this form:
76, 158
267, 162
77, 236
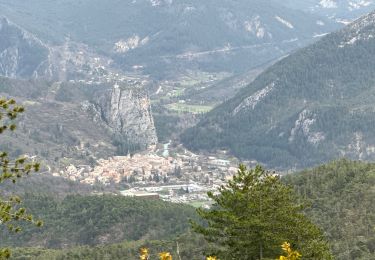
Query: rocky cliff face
68, 123
126, 111
21, 54
24, 56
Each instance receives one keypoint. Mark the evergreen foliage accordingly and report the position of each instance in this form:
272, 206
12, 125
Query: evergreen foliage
342, 198
92, 220
341, 195
252, 216
11, 170
189, 246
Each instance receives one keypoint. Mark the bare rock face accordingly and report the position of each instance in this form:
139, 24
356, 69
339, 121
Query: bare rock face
24, 56
126, 111
21, 54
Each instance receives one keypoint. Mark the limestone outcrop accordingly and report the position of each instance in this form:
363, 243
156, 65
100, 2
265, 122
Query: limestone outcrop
126, 111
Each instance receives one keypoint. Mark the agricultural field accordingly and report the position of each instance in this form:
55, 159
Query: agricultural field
188, 108
175, 89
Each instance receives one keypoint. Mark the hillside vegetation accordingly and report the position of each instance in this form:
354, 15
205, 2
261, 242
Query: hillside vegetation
190, 247
67, 123
94, 220
313, 106
342, 197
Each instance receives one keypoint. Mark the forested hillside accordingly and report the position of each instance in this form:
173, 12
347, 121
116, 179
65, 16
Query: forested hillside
122, 124
342, 197
190, 247
311, 107
95, 220
55, 187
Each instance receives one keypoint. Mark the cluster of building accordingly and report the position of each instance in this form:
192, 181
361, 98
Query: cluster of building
182, 178
139, 168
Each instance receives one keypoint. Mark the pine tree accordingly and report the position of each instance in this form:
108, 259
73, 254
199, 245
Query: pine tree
10, 211
253, 215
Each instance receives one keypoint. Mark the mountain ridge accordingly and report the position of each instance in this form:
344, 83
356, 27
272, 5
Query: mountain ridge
310, 107
182, 34
25, 56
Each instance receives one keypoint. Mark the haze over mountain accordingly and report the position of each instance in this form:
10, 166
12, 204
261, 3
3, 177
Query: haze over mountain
162, 36
338, 10
71, 43
313, 106
110, 87
23, 55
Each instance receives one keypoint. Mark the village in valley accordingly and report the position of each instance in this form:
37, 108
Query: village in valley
171, 174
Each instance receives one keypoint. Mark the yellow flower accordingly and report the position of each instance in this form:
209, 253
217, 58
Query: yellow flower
165, 256
286, 247
211, 258
143, 253
291, 255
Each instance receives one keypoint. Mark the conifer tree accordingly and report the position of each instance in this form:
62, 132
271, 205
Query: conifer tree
11, 170
253, 215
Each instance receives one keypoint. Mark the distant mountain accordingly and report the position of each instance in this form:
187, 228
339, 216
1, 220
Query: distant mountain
313, 106
338, 10
160, 36
25, 56
21, 54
